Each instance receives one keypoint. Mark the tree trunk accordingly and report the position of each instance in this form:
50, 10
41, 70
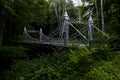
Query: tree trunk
102, 16
2, 25
1, 34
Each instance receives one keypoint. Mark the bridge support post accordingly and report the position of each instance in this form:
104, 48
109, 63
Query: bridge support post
90, 31
66, 29
40, 34
66, 35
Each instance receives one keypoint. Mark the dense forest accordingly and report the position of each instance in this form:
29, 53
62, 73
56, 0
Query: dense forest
18, 61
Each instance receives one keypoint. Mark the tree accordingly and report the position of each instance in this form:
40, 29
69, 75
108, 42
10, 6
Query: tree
59, 7
112, 11
111, 14
15, 14
4, 6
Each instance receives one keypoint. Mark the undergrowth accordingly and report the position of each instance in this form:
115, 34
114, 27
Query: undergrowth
76, 64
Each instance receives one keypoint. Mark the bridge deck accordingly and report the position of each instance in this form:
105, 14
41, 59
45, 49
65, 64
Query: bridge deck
57, 43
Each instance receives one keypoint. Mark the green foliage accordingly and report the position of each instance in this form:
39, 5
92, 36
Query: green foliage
103, 53
12, 52
112, 11
16, 14
104, 71
43, 68
77, 64
76, 55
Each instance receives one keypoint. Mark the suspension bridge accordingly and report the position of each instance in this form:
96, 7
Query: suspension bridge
68, 34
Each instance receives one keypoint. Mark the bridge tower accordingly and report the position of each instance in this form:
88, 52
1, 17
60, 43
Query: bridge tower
65, 29
90, 29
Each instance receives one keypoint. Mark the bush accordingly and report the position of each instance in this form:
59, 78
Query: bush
103, 53
105, 71
12, 51
79, 64
45, 68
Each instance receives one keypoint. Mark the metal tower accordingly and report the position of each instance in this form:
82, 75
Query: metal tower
65, 29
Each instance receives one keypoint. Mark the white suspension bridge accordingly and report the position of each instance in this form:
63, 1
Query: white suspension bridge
64, 37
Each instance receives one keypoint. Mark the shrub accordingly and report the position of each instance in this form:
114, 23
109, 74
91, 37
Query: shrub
103, 53
12, 51
105, 71
77, 64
